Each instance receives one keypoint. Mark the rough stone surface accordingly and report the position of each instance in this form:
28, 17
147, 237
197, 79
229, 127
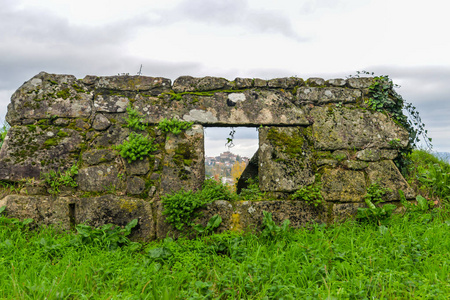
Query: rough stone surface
135, 185
96, 156
345, 128
100, 122
249, 215
31, 150
138, 167
97, 211
44, 210
111, 103
285, 159
343, 185
99, 178
369, 154
387, 175
336, 82
359, 83
47, 96
326, 95
262, 107
184, 161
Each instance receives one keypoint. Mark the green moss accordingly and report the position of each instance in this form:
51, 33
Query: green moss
51, 142
183, 155
65, 93
292, 145
62, 133
179, 96
78, 88
31, 128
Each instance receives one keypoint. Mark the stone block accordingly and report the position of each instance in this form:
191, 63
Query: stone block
48, 96
315, 81
249, 215
387, 175
118, 210
111, 103
31, 150
184, 161
100, 178
339, 82
346, 128
285, 159
359, 83
96, 156
343, 185
132, 83
44, 210
327, 94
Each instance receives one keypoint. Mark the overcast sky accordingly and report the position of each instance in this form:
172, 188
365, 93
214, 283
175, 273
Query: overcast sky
405, 39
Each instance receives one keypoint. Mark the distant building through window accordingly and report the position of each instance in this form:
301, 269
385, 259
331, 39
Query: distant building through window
226, 163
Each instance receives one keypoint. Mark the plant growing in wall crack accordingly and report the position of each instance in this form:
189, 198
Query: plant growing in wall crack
56, 179
134, 119
174, 125
136, 147
374, 212
310, 194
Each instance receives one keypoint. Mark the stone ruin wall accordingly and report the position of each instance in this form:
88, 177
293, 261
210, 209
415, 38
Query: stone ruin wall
306, 129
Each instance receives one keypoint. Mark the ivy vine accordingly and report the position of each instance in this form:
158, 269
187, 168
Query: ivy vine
384, 98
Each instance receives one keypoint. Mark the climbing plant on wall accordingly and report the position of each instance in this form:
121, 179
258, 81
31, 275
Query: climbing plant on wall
384, 98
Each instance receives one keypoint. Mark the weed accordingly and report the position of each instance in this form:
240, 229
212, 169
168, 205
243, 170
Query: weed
182, 207
174, 125
252, 191
3, 132
374, 212
136, 147
310, 194
134, 119
272, 231
57, 179
110, 235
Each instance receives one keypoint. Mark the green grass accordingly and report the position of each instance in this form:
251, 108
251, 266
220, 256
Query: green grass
409, 257
430, 175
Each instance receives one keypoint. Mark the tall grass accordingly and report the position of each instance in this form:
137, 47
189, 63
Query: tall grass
430, 175
405, 258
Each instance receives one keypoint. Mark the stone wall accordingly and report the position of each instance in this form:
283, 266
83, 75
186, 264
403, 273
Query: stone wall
309, 131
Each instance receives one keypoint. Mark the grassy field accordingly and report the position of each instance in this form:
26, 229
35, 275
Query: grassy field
406, 257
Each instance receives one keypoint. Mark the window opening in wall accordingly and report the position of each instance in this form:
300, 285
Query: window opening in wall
228, 151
